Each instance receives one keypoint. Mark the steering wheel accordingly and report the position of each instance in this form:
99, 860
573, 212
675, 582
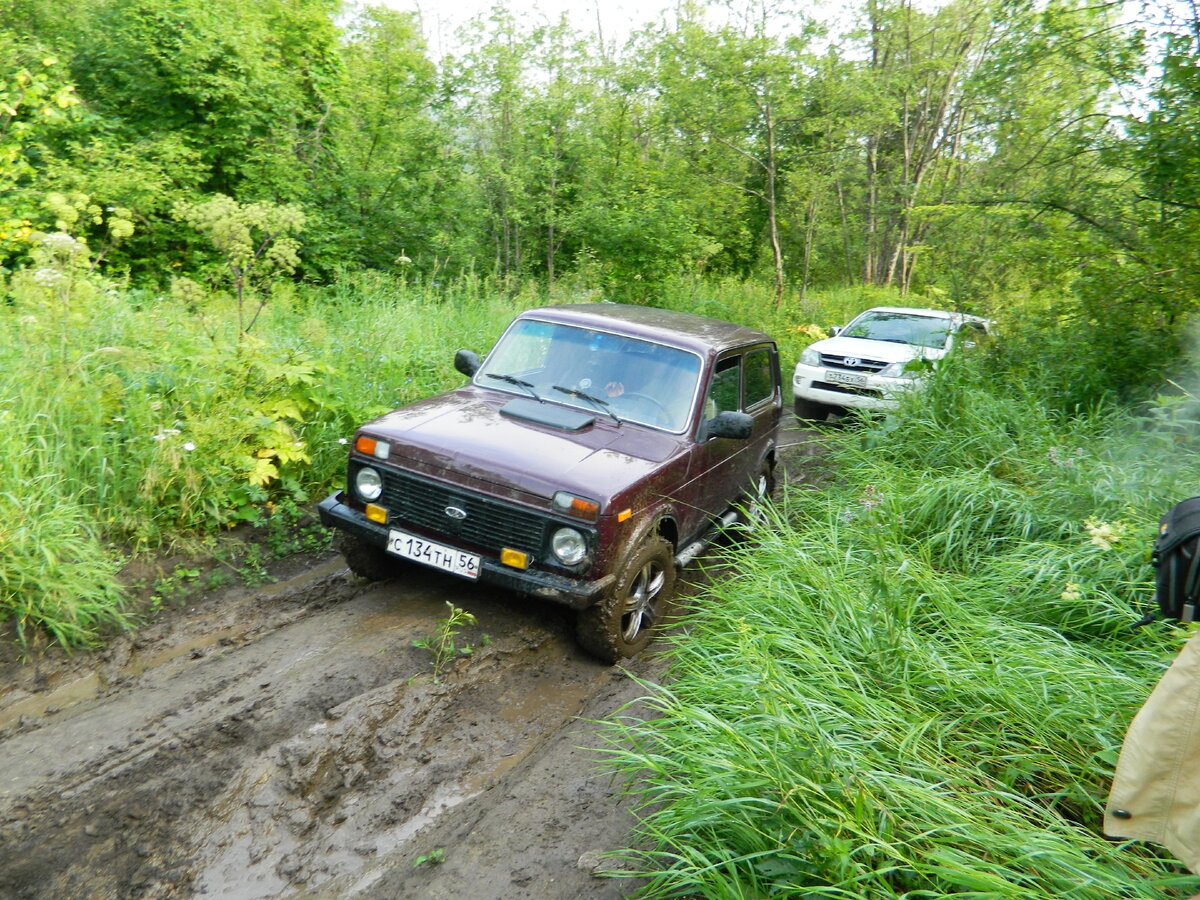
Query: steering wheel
662, 415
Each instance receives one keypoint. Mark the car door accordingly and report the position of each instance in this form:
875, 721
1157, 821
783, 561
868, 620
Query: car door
762, 400
723, 465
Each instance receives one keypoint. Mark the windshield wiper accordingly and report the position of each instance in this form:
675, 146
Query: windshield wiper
590, 398
512, 379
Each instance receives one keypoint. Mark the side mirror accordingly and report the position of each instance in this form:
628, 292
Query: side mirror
736, 425
835, 330
467, 362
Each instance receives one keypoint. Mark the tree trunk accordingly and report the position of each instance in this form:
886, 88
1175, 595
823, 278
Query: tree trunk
810, 227
772, 207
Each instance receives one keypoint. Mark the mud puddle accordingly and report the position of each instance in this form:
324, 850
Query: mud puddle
295, 743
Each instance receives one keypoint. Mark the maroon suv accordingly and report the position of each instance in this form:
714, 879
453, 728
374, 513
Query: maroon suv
596, 450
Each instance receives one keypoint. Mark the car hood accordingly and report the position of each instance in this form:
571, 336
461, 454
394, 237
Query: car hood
463, 435
882, 351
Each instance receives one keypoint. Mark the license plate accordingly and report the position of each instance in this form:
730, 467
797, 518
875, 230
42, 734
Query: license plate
844, 378
431, 553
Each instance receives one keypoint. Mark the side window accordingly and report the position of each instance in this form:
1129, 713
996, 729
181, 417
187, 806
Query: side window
760, 385
725, 388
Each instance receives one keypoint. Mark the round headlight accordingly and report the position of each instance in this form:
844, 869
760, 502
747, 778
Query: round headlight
810, 357
368, 483
569, 546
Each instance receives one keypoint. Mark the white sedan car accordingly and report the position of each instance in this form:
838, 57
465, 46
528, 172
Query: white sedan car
882, 353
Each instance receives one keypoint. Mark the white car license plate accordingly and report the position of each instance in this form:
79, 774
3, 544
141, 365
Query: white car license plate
448, 559
844, 378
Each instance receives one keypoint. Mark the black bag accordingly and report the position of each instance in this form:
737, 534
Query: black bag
1177, 558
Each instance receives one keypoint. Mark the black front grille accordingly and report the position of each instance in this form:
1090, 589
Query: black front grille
831, 361
846, 389
489, 524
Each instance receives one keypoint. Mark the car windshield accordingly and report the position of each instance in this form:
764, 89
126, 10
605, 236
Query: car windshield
901, 328
623, 378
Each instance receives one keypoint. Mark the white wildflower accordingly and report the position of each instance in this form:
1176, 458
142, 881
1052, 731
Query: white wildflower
47, 278
189, 446
61, 242
1103, 534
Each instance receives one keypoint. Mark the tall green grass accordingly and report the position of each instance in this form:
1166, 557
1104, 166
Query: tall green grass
916, 681
137, 421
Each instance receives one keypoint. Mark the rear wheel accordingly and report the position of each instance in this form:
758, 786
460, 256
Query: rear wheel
366, 560
810, 411
622, 623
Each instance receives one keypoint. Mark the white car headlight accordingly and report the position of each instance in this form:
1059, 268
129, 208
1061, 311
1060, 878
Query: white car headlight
368, 483
569, 546
810, 357
895, 370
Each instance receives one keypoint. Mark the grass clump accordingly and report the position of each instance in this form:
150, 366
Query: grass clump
917, 682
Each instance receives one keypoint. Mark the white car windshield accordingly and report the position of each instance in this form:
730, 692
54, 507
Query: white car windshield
900, 328
625, 379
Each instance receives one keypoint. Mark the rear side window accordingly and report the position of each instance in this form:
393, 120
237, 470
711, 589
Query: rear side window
760, 385
725, 388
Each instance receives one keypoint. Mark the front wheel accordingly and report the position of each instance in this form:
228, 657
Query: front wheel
807, 410
366, 560
622, 623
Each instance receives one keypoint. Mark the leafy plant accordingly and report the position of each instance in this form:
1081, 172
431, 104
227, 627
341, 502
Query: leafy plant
434, 857
256, 241
442, 644
173, 587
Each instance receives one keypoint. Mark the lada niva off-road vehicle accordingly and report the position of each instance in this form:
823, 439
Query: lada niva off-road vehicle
596, 450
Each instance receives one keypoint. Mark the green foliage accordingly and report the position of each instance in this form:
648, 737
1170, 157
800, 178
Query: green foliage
132, 424
256, 243
434, 857
443, 643
916, 682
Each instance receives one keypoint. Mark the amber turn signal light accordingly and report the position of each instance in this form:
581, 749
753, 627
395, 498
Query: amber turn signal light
514, 558
371, 447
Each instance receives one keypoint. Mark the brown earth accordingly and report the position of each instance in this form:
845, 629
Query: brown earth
290, 741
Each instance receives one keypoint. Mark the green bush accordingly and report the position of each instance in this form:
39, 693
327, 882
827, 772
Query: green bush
134, 421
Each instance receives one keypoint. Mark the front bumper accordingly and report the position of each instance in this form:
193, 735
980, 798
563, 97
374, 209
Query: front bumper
571, 592
876, 393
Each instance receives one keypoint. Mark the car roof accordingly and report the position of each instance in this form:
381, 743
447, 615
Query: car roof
663, 326
932, 313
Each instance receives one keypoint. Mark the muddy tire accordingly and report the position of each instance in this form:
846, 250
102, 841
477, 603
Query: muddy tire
365, 560
808, 411
621, 624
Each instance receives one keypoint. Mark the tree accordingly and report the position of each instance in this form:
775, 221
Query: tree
921, 63
733, 93
388, 165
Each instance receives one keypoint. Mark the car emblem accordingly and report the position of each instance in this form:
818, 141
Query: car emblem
455, 513
852, 361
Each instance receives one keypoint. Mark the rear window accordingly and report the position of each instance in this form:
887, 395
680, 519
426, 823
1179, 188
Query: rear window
760, 385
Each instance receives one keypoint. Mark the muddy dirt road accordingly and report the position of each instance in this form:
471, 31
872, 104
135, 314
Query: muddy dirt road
290, 741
